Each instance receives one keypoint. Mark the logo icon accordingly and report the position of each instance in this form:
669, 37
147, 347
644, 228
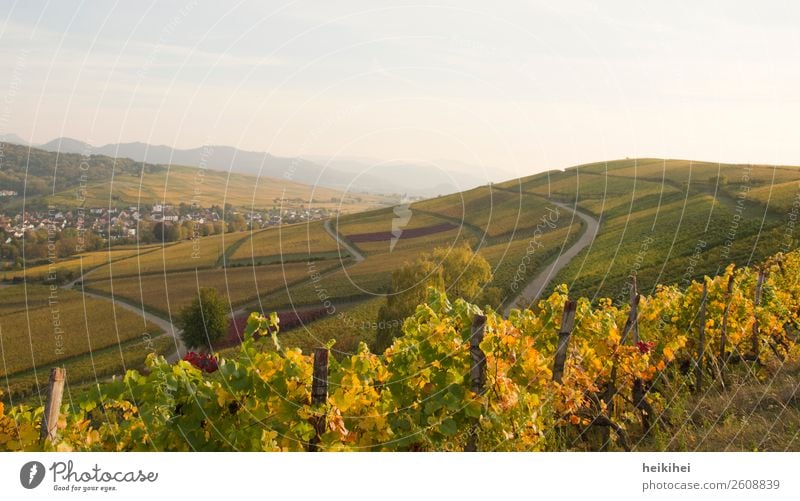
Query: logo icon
402, 215
31, 474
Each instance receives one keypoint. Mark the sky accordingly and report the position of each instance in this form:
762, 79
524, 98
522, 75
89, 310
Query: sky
519, 87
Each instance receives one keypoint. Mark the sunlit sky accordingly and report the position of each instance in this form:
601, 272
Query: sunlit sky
516, 86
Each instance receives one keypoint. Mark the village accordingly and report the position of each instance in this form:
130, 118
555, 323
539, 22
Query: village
24, 236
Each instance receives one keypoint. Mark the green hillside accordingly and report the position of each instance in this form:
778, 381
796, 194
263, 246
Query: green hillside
665, 221
668, 221
68, 180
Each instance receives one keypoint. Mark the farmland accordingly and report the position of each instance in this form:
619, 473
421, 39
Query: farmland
40, 326
86, 368
664, 221
204, 252
71, 267
668, 221
298, 242
166, 294
349, 325
124, 182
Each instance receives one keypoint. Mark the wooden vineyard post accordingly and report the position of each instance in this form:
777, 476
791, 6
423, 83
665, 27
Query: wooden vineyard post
756, 304
701, 341
477, 373
319, 395
724, 328
723, 337
567, 322
55, 392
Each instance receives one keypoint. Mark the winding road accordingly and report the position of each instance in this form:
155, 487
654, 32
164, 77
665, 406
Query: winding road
168, 327
537, 284
352, 250
531, 291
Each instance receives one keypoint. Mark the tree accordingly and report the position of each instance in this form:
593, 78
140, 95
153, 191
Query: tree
164, 232
205, 320
458, 271
236, 223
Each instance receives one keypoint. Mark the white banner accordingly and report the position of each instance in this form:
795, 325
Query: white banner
371, 476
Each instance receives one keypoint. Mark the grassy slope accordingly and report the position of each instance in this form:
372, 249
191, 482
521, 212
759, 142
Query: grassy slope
30, 325
122, 182
166, 294
206, 188
297, 242
205, 252
72, 266
657, 213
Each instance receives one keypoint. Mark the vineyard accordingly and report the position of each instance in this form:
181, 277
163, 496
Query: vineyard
566, 375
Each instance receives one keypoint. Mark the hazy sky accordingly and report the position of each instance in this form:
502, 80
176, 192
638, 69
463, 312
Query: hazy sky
521, 86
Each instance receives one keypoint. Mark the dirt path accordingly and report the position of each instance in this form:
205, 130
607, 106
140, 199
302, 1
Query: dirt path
537, 284
352, 250
168, 327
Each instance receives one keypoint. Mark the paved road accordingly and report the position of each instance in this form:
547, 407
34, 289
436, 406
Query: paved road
537, 284
352, 250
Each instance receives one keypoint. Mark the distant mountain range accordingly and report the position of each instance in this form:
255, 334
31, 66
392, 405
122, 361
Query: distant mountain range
355, 174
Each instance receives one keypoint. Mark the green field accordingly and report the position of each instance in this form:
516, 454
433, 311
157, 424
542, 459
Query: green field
85, 369
70, 268
664, 221
204, 252
297, 242
657, 214
40, 326
166, 294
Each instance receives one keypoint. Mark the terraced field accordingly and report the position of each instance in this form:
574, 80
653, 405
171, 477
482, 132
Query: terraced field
667, 221
298, 242
71, 267
664, 221
40, 326
87, 368
205, 252
381, 220
175, 184
491, 212
166, 294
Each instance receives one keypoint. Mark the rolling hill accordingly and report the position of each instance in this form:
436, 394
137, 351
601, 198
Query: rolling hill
663, 221
63, 179
361, 175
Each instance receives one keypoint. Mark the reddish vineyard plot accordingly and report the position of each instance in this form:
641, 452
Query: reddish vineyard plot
380, 236
288, 320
